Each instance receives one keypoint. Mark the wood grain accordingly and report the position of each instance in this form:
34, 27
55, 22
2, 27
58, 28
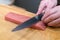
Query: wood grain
25, 34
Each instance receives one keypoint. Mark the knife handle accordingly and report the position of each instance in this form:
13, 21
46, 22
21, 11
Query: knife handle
39, 16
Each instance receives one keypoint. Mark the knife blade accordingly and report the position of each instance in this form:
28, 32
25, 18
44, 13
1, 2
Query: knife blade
29, 22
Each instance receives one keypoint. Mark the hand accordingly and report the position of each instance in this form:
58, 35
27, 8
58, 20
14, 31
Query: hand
44, 5
52, 17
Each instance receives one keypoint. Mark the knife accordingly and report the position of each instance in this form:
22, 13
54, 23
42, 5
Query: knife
29, 22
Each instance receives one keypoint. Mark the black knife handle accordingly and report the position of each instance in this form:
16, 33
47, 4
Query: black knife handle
39, 16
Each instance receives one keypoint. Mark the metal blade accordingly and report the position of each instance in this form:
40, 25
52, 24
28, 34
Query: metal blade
29, 22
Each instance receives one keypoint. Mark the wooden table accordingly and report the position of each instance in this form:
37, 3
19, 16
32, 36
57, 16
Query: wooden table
25, 34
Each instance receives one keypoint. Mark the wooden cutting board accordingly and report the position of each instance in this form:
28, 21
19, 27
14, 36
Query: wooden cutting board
25, 34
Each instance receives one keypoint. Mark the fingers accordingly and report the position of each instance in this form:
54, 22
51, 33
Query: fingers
46, 4
41, 7
51, 4
49, 12
52, 17
54, 23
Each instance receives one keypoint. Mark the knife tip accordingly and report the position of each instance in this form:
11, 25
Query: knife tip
16, 29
